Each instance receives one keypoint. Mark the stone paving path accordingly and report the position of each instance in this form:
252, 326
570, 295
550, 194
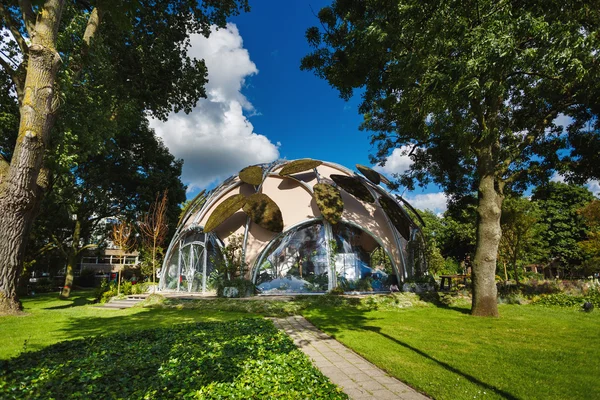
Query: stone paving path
357, 377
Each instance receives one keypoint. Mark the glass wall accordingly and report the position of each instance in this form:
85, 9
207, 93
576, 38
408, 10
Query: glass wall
191, 259
360, 263
295, 262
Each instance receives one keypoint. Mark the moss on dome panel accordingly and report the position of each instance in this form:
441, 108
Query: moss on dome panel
353, 186
252, 175
294, 167
264, 212
370, 174
224, 210
398, 217
329, 200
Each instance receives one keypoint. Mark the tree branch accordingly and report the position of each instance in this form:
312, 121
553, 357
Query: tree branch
552, 78
58, 244
28, 16
91, 30
13, 26
7, 66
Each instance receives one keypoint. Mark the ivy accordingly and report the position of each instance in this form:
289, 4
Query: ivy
241, 359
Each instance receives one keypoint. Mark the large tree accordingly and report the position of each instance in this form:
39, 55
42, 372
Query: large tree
146, 42
469, 90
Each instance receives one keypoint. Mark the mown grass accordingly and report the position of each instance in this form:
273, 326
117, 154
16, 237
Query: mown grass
48, 320
528, 353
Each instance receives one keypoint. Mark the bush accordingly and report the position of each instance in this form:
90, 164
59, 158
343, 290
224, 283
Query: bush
336, 291
240, 359
245, 287
567, 300
108, 289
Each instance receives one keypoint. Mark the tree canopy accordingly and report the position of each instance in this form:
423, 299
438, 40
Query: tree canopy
126, 58
469, 90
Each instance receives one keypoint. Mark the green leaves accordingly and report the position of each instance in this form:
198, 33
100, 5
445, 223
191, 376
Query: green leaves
241, 359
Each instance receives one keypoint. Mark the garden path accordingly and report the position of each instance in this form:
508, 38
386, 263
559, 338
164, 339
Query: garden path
357, 377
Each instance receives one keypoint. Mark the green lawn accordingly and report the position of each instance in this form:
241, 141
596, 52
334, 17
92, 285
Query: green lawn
528, 353
49, 320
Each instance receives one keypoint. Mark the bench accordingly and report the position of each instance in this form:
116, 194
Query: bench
449, 278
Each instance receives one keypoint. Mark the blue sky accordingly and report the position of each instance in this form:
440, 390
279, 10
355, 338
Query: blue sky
261, 107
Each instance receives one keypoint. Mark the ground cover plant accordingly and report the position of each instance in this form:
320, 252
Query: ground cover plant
529, 353
245, 359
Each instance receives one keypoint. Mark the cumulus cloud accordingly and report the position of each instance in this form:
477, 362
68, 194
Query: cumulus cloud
216, 139
397, 163
594, 187
556, 177
436, 202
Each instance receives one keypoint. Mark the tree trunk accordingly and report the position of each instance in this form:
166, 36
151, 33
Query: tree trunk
66, 290
23, 184
488, 239
71, 260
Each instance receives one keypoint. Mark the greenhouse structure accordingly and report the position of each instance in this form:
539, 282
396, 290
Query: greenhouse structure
301, 227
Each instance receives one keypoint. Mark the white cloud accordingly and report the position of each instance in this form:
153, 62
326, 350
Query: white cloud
216, 139
563, 120
556, 177
397, 163
436, 202
594, 187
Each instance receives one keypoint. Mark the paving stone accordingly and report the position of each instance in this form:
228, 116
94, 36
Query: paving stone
384, 394
357, 394
371, 385
358, 378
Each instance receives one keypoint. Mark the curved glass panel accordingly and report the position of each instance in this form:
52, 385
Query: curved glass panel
360, 263
168, 277
191, 264
296, 262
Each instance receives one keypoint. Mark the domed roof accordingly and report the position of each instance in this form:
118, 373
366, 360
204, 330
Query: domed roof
268, 203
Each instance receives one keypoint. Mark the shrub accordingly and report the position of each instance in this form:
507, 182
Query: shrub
244, 287
336, 291
567, 300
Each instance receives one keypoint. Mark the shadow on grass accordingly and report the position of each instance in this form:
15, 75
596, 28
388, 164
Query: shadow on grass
111, 321
156, 363
356, 320
73, 302
435, 299
443, 364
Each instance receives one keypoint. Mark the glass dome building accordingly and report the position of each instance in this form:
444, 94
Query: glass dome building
305, 226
